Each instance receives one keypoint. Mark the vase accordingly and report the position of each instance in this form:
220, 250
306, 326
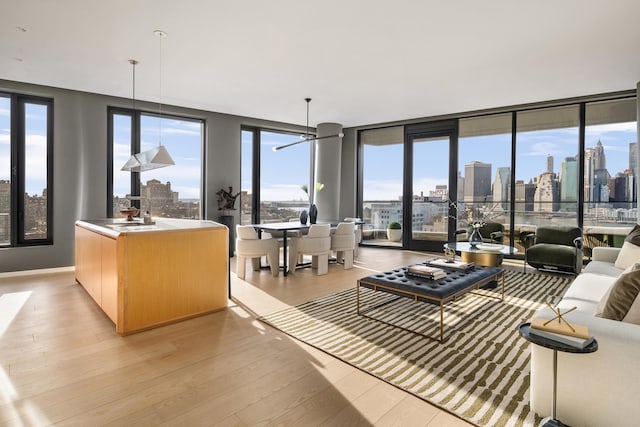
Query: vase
475, 238
303, 217
313, 213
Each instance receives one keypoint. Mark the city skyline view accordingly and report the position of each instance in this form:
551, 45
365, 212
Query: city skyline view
282, 181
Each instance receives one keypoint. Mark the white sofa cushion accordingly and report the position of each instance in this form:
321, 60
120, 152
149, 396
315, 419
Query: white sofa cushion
586, 292
604, 268
629, 255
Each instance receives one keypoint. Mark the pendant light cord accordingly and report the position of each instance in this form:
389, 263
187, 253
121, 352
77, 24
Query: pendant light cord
160, 34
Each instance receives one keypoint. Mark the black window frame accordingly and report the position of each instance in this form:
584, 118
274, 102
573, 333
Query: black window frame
136, 129
256, 161
18, 161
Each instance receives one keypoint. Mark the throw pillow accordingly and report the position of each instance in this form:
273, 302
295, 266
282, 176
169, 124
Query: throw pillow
629, 255
605, 297
622, 296
634, 236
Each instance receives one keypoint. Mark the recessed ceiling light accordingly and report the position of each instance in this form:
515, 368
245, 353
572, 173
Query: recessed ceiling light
160, 33
21, 29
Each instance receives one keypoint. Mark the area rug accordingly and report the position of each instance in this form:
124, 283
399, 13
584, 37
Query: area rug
481, 373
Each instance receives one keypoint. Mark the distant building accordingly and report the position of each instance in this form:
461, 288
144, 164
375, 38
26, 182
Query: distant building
569, 181
600, 160
600, 186
546, 197
633, 156
477, 182
549, 163
524, 196
501, 188
160, 195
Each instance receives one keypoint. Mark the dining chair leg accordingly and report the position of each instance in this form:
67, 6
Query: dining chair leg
241, 266
322, 262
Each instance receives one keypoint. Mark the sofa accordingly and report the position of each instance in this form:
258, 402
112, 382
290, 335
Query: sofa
601, 388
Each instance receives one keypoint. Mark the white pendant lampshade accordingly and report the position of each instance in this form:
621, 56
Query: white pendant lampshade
157, 157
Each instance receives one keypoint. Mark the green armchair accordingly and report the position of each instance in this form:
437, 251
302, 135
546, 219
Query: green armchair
491, 232
555, 249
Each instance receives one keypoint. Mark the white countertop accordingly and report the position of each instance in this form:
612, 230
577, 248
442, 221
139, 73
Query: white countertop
116, 226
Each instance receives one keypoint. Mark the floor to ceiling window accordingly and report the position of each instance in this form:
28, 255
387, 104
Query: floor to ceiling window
283, 173
173, 191
540, 172
246, 176
26, 143
381, 183
547, 173
484, 170
610, 170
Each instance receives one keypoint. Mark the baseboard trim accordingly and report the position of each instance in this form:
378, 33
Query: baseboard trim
36, 272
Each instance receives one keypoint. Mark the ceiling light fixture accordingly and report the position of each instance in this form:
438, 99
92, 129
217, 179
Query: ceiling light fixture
307, 136
157, 157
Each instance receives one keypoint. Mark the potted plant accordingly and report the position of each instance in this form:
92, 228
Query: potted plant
394, 231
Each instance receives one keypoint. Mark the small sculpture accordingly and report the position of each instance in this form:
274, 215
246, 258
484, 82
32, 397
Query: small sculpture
226, 199
449, 255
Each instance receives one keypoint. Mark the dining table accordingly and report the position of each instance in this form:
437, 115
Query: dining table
283, 227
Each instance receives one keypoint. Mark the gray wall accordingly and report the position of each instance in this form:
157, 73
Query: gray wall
80, 165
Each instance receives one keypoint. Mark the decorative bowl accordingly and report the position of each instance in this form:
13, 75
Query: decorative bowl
129, 212
494, 247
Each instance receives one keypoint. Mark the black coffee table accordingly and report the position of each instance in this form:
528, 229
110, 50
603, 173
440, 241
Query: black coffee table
456, 284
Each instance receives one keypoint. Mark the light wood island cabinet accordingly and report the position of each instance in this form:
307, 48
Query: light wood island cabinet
144, 276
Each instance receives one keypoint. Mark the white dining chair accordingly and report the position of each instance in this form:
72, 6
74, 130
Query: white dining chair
316, 243
343, 243
358, 233
248, 245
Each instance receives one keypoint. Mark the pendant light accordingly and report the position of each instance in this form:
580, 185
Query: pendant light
307, 136
157, 157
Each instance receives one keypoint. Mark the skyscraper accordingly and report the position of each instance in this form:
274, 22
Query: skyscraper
477, 182
600, 160
546, 197
633, 156
549, 163
569, 181
501, 188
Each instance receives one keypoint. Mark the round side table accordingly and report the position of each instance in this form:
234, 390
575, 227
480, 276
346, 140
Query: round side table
525, 332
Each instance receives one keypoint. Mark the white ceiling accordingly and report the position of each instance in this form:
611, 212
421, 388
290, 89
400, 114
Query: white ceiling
362, 61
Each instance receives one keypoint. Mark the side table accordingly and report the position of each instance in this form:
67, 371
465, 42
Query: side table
525, 332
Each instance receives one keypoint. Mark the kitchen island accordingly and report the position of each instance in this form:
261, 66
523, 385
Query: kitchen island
148, 275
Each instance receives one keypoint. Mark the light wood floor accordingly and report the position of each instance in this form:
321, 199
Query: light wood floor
62, 363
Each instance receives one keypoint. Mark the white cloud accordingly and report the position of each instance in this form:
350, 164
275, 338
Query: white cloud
543, 149
281, 192
5, 139
389, 189
5, 112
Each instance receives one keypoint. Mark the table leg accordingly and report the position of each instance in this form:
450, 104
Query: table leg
284, 251
553, 421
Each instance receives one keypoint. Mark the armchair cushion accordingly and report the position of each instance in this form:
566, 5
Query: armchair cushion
550, 255
556, 248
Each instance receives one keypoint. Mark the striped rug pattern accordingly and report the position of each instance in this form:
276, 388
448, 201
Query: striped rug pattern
481, 373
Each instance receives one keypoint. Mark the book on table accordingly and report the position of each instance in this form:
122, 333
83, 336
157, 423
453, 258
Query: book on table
577, 337
456, 264
426, 272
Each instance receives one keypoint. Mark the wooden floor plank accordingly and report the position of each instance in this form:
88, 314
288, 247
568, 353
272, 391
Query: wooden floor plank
62, 363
